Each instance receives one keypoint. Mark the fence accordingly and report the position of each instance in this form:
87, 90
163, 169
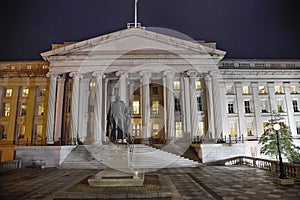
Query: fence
291, 170
10, 164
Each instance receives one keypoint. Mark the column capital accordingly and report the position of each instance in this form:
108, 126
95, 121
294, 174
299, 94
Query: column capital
145, 74
169, 73
98, 74
207, 78
75, 75
192, 73
121, 73
286, 84
215, 73
52, 74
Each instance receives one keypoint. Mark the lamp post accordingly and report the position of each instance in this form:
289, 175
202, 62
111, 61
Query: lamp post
282, 174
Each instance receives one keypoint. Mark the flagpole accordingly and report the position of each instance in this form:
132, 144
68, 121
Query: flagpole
135, 14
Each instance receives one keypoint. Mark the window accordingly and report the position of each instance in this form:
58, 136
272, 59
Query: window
250, 128
198, 85
266, 127
43, 91
199, 104
201, 128
298, 127
247, 106
136, 107
176, 85
25, 92
155, 107
245, 90
230, 107
39, 131
23, 109
262, 90
279, 105
40, 109
136, 129
8, 93
92, 85
7, 110
178, 129
277, 89
29, 67
229, 89
177, 104
22, 131
232, 129
155, 129
293, 89
264, 106
295, 106
154, 90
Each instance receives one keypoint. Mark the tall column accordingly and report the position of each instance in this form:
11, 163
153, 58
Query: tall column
59, 107
210, 106
122, 85
193, 101
1, 95
289, 107
98, 129
165, 107
74, 106
146, 104
257, 109
240, 107
217, 104
83, 109
187, 106
170, 105
51, 107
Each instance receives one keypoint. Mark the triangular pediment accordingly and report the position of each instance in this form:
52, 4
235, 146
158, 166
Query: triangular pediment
133, 43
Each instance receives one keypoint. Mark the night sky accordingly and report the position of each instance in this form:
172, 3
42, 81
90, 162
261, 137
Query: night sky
267, 29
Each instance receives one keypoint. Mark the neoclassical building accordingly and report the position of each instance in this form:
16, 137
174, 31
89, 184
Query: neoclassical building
177, 89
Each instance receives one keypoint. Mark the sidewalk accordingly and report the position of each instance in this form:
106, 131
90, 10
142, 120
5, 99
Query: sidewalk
207, 182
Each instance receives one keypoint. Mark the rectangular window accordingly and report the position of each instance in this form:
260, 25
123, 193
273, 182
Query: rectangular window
277, 89
92, 85
155, 107
40, 109
230, 107
201, 128
245, 90
262, 90
178, 129
229, 89
136, 129
250, 128
247, 106
298, 127
199, 104
39, 131
154, 90
155, 129
8, 93
22, 131
295, 105
266, 127
279, 105
177, 104
23, 109
136, 107
43, 91
25, 92
293, 89
7, 110
198, 85
176, 85
232, 129
264, 106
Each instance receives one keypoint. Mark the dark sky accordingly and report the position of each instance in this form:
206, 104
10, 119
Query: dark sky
243, 28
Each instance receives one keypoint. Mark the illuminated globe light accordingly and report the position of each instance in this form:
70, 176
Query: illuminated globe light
276, 127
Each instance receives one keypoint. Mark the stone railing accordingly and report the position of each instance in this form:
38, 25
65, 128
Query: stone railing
10, 164
291, 170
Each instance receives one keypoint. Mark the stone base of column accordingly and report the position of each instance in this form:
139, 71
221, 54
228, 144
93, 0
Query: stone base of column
146, 141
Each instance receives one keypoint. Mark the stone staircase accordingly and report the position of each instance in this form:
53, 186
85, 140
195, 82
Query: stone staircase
120, 157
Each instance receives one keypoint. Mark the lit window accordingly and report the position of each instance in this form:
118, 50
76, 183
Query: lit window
29, 67
154, 90
201, 128
45, 66
249, 128
277, 89
279, 105
176, 85
43, 92
262, 90
40, 109
155, 129
136, 129
7, 110
155, 107
23, 109
177, 104
39, 131
25, 92
298, 127
230, 107
178, 129
92, 85
22, 131
8, 93
295, 106
198, 85
13, 67
247, 106
293, 89
229, 89
199, 104
264, 106
245, 90
136, 107
232, 129
266, 127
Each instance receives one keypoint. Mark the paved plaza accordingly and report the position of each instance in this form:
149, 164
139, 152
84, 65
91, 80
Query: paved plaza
205, 182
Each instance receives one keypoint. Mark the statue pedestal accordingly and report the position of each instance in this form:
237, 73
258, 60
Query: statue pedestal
114, 178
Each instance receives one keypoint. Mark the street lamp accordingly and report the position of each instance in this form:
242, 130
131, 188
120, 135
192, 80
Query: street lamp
282, 174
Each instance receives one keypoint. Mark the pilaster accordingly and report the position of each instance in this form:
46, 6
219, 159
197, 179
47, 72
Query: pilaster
146, 104
193, 103
59, 107
290, 109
